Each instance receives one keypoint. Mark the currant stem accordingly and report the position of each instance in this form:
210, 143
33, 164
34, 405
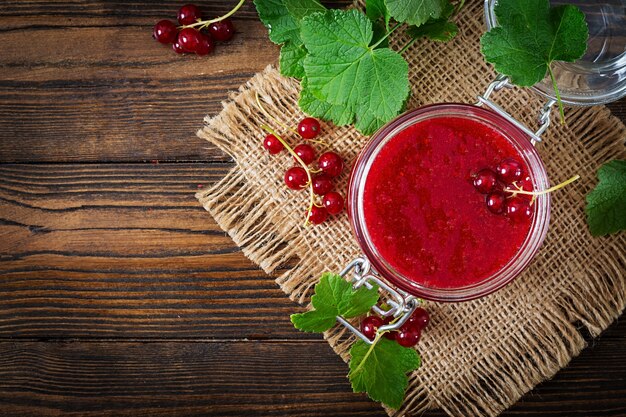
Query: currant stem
381, 40
368, 353
301, 162
408, 44
272, 118
205, 23
549, 190
558, 95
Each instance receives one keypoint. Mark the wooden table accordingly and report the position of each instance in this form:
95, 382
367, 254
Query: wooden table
119, 295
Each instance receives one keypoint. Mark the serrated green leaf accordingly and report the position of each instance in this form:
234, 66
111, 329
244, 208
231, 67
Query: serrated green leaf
311, 105
315, 321
344, 69
416, 12
291, 59
334, 296
381, 370
606, 204
377, 9
441, 30
531, 35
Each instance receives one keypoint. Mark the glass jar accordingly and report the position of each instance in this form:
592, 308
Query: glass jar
525, 150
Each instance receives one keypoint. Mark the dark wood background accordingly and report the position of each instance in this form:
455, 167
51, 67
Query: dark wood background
118, 293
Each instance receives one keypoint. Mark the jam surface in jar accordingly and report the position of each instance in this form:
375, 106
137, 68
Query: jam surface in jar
422, 212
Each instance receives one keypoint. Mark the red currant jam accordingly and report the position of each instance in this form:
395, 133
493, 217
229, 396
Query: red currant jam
423, 213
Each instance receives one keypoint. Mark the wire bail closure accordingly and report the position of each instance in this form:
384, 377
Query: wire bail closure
502, 81
401, 304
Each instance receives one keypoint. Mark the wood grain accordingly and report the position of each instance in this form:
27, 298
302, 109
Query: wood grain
126, 251
119, 295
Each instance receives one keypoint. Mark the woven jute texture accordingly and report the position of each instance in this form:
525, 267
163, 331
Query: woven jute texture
479, 357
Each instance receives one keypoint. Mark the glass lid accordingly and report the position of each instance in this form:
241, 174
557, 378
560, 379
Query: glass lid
600, 75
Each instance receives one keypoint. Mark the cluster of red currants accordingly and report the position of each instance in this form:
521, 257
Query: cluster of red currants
407, 335
297, 177
195, 36
509, 177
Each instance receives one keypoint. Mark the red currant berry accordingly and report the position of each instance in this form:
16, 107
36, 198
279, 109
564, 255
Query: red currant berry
296, 178
370, 325
526, 183
496, 202
510, 170
485, 181
177, 48
165, 31
309, 128
188, 14
330, 163
333, 202
518, 209
222, 31
189, 39
408, 336
205, 46
420, 319
305, 152
318, 215
272, 144
322, 184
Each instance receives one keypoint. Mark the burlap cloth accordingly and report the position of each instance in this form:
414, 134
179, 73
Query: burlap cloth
479, 357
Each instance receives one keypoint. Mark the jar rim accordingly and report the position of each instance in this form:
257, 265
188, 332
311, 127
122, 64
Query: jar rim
508, 272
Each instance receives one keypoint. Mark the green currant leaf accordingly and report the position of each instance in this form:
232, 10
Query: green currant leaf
531, 35
440, 29
334, 296
282, 17
606, 204
381, 370
291, 59
416, 12
313, 106
377, 9
344, 69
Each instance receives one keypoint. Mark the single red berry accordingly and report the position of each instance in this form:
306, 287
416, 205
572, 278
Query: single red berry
330, 163
272, 144
205, 46
526, 183
322, 184
518, 209
420, 318
188, 14
333, 202
305, 152
189, 39
370, 325
485, 181
495, 202
177, 48
408, 336
318, 215
165, 31
222, 31
296, 178
510, 170
309, 128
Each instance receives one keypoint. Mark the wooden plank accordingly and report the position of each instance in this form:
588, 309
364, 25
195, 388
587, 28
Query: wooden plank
126, 251
253, 378
183, 379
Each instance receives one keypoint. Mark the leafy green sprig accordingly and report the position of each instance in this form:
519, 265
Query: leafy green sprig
530, 36
606, 204
379, 369
349, 73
